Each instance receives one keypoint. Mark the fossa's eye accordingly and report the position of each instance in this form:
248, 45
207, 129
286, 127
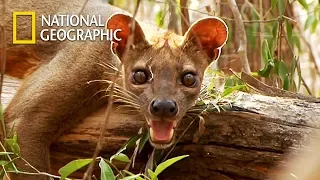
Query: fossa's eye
140, 77
189, 79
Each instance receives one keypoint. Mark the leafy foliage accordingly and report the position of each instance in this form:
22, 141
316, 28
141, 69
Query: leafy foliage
73, 166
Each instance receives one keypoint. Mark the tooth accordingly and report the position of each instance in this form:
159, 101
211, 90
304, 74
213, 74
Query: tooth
151, 134
171, 134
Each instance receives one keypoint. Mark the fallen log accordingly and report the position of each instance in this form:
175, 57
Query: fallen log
249, 140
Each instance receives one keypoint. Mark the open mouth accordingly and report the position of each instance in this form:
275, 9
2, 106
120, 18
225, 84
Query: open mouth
161, 132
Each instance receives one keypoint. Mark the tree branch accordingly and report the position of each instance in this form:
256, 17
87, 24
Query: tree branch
185, 19
242, 36
173, 17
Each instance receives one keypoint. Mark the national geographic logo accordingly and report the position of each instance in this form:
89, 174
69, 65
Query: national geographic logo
33, 28
66, 27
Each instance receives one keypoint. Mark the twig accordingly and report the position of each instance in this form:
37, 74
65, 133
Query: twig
273, 91
88, 173
297, 61
242, 36
261, 25
32, 167
289, 19
279, 45
251, 6
185, 19
38, 174
3, 134
311, 53
173, 18
3, 49
247, 21
306, 86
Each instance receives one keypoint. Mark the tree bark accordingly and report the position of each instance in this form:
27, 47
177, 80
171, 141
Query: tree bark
247, 141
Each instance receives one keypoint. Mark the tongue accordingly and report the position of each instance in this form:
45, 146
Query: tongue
161, 130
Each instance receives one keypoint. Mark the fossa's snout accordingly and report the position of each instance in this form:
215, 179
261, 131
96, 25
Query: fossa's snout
163, 108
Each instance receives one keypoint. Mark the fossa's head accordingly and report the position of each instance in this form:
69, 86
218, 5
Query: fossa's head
165, 70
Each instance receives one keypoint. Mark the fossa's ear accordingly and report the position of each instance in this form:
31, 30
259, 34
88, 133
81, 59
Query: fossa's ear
209, 34
123, 22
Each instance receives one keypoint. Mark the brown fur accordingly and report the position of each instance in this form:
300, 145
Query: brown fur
57, 95
21, 61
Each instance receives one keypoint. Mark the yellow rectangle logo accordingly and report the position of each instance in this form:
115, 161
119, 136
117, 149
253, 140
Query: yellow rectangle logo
33, 27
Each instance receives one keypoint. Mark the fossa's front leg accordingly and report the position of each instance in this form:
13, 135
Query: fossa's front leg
55, 98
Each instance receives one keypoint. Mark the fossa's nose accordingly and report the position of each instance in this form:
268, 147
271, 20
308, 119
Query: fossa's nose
163, 108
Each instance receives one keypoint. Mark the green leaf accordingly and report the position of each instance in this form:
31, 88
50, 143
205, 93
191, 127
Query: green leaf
273, 4
265, 51
130, 143
251, 36
276, 67
229, 90
299, 74
14, 146
283, 71
15, 137
229, 83
309, 21
133, 177
281, 6
137, 176
303, 4
293, 66
143, 140
265, 72
106, 171
160, 18
120, 157
152, 175
289, 32
296, 41
73, 166
314, 26
2, 163
286, 83
275, 28
161, 167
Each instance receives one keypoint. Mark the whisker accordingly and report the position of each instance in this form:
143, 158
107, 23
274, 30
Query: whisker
128, 105
133, 96
126, 101
108, 66
129, 92
118, 88
122, 100
101, 81
127, 108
